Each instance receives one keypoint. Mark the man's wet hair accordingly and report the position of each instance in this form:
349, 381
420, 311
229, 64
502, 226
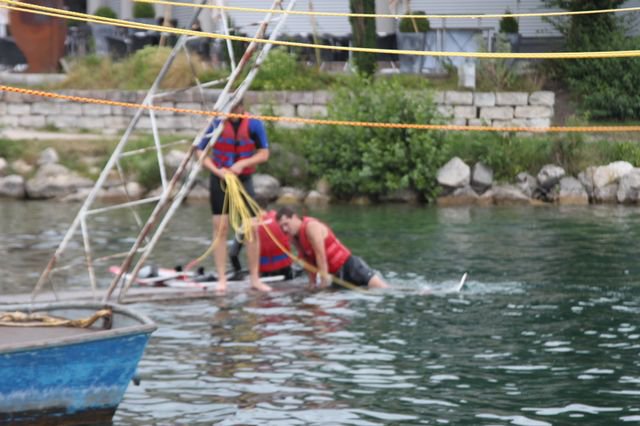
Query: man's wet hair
285, 211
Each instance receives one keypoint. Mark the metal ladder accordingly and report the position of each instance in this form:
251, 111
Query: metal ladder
175, 189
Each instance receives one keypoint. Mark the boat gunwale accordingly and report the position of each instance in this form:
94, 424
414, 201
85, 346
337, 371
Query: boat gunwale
146, 326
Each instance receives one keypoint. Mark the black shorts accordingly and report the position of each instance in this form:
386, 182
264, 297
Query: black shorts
216, 194
354, 271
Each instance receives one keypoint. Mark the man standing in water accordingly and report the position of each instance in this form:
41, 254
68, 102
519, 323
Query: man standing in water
318, 245
240, 148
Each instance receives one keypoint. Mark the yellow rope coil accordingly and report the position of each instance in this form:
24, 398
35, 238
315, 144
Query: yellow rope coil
242, 210
444, 127
21, 319
59, 13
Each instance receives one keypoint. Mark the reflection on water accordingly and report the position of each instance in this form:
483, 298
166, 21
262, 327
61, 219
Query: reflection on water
545, 333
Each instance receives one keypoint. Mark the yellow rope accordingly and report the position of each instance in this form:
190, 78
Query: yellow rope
242, 210
237, 191
21, 319
393, 16
59, 13
445, 127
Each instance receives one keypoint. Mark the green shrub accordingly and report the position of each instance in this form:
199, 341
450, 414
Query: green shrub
509, 24
143, 10
608, 88
496, 74
414, 25
376, 161
506, 154
624, 151
287, 161
136, 72
106, 12
11, 150
364, 35
142, 167
282, 71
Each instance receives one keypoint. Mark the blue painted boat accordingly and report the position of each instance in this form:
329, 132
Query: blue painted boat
69, 375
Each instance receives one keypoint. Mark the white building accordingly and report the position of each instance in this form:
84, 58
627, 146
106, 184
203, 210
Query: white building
530, 27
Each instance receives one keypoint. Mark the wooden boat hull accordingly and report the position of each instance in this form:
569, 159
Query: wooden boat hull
63, 375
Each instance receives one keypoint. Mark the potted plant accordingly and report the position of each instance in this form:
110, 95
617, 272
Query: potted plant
413, 35
144, 12
509, 28
100, 32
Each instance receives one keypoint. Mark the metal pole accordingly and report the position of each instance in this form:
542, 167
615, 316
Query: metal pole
198, 165
109, 166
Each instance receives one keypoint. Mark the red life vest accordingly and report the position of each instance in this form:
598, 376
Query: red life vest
231, 146
337, 254
272, 257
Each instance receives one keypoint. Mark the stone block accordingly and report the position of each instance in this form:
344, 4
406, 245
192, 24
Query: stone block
8, 120
459, 121
31, 121
45, 108
478, 122
164, 113
484, 99
196, 106
116, 122
251, 98
438, 97
182, 123
445, 110
62, 121
321, 97
539, 123
17, 98
71, 108
289, 124
311, 111
144, 123
273, 97
96, 110
92, 123
540, 111
18, 109
465, 112
3, 108
297, 98
284, 110
509, 123
545, 98
512, 98
458, 98
198, 122
496, 113
260, 109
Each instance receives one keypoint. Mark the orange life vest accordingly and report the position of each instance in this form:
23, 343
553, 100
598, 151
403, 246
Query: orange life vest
232, 146
272, 257
337, 254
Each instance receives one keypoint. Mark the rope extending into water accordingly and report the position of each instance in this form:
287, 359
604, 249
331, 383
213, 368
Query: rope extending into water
242, 211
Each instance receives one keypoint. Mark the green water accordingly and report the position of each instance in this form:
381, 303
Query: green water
545, 332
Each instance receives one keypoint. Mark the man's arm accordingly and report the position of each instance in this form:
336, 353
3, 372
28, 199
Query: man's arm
317, 233
260, 156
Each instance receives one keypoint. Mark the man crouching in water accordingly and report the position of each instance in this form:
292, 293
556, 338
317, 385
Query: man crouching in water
318, 245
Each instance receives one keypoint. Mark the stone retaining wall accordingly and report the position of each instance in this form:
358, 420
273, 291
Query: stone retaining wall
498, 109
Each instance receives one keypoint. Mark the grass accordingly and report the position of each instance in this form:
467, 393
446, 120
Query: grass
281, 71
88, 157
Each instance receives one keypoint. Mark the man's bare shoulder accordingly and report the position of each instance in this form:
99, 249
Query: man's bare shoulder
316, 228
